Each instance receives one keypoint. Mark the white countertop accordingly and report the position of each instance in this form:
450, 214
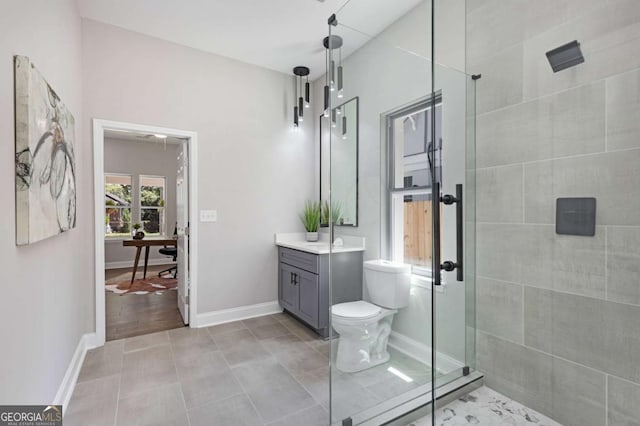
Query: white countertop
297, 241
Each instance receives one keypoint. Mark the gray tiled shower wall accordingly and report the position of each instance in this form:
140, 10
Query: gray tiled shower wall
558, 316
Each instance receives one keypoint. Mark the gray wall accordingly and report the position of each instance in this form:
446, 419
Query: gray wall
558, 315
252, 167
46, 291
141, 158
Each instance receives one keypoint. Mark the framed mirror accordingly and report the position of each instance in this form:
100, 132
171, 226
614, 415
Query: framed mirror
340, 130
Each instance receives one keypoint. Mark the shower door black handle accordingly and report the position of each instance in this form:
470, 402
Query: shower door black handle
435, 232
457, 265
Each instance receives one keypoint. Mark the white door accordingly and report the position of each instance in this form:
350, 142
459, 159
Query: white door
182, 228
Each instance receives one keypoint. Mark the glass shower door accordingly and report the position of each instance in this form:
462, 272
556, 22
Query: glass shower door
453, 309
412, 144
381, 91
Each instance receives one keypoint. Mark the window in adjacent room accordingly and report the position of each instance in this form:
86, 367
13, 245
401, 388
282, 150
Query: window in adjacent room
117, 191
152, 201
410, 139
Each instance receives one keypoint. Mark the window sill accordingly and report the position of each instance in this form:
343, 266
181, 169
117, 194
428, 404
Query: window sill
115, 239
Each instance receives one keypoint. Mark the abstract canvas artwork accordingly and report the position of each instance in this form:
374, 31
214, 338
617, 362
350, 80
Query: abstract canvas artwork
45, 159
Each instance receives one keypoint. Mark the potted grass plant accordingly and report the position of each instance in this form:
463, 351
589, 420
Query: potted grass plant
310, 218
330, 214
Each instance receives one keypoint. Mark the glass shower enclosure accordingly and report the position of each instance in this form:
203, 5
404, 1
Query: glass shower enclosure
398, 139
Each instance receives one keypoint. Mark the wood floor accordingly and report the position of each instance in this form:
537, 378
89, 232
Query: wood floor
138, 314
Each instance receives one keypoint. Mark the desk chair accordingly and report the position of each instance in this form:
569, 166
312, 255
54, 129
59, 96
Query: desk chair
173, 252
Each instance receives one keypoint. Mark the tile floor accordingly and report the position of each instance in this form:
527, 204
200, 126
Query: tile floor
264, 371
269, 370
485, 406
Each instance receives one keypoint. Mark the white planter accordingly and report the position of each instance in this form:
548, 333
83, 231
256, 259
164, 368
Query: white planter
312, 236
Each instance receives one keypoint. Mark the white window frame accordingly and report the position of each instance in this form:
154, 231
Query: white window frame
130, 207
395, 225
163, 218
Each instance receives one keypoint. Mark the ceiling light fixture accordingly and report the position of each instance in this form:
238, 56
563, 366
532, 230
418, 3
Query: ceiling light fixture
159, 136
331, 43
300, 103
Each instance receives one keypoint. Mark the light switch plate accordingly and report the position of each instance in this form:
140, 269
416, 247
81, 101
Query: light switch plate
208, 216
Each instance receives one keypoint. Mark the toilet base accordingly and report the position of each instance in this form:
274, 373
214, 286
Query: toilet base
366, 349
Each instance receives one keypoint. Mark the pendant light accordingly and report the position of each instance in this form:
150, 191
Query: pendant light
330, 43
326, 87
340, 86
332, 74
299, 102
333, 119
344, 127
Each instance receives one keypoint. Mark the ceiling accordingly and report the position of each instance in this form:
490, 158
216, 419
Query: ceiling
275, 34
140, 137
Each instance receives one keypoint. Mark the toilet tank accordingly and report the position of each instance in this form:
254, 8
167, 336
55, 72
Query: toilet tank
388, 283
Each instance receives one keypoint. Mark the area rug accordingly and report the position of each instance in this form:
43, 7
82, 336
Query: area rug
143, 286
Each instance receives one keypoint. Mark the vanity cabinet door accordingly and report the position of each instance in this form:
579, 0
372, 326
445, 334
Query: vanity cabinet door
289, 289
308, 289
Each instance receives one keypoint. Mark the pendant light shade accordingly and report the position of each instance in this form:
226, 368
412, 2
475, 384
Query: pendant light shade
326, 101
300, 102
307, 90
332, 73
344, 127
300, 109
340, 87
333, 118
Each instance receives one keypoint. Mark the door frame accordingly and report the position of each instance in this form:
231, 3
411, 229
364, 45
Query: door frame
99, 126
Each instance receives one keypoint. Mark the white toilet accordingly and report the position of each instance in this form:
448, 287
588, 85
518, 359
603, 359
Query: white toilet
364, 327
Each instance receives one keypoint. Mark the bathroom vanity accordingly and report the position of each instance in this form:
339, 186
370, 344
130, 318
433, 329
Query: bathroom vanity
303, 277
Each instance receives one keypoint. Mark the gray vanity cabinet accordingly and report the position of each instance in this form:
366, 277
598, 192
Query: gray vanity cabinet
308, 285
289, 291
303, 284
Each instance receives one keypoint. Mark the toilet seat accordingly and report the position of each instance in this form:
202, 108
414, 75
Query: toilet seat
356, 310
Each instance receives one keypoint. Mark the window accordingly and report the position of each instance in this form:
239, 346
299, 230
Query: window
410, 140
126, 205
152, 197
117, 194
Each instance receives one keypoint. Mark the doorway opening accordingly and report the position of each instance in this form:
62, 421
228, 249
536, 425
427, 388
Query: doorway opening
145, 234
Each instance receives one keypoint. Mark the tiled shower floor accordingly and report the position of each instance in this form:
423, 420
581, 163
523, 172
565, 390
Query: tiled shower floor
485, 406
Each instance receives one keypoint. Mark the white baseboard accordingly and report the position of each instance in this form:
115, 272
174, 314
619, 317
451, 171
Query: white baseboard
235, 314
422, 353
129, 263
63, 396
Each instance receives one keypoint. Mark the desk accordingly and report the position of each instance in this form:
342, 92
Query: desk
146, 243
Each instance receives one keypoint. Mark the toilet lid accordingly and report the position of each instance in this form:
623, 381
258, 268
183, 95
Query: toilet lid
359, 309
